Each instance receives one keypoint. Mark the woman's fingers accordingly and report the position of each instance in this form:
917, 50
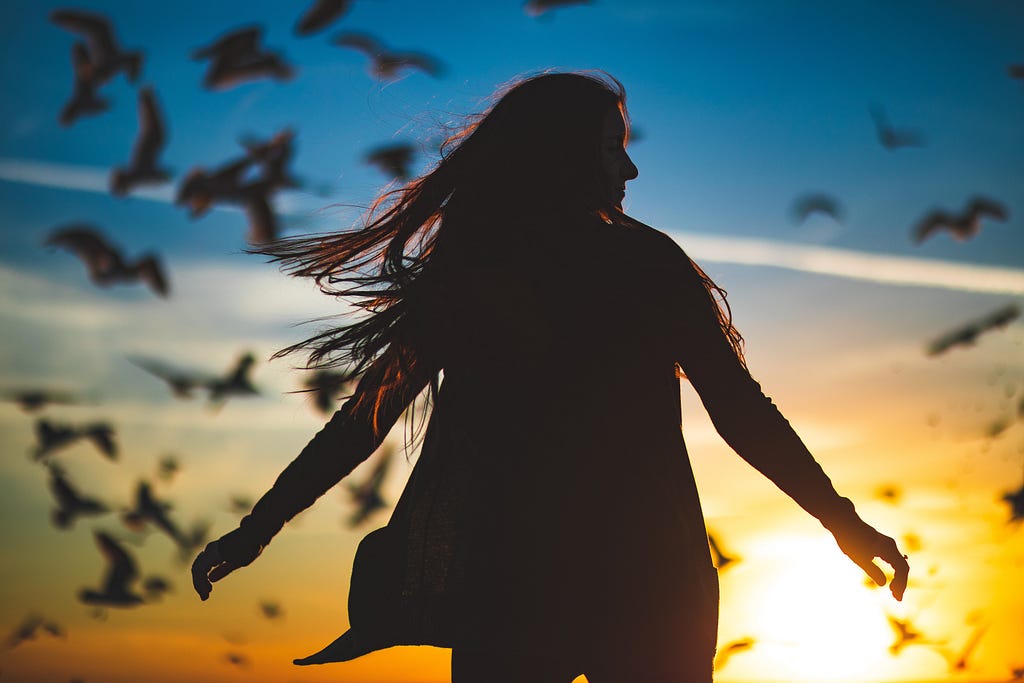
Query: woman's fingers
900, 565
221, 570
203, 569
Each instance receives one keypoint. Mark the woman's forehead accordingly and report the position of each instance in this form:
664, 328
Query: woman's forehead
614, 124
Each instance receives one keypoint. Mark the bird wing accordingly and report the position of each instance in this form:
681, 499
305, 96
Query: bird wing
980, 207
231, 45
319, 15
122, 568
102, 434
262, 221
88, 244
363, 42
152, 133
94, 27
148, 268
930, 224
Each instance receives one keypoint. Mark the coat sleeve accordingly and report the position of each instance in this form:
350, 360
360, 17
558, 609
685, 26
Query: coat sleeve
745, 418
348, 439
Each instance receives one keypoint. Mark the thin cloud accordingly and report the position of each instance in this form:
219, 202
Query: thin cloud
879, 268
856, 265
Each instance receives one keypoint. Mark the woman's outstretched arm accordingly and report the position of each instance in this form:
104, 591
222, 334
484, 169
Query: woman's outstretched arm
348, 438
753, 426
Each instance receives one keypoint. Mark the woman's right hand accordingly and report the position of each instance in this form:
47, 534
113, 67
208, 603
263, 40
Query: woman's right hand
221, 557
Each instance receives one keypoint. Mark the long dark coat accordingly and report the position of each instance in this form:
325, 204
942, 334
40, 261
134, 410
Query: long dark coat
553, 506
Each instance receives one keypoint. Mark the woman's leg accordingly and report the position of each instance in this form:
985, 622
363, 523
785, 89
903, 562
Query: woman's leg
501, 666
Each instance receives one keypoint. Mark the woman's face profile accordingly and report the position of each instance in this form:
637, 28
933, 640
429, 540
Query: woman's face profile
618, 167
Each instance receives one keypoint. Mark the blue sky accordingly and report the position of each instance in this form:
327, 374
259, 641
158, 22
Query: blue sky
743, 106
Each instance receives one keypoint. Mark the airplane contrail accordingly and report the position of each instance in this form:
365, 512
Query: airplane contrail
846, 263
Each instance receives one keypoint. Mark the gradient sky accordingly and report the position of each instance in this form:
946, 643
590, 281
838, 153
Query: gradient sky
742, 106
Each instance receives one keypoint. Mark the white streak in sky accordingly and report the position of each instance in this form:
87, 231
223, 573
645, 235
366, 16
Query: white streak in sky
856, 265
879, 268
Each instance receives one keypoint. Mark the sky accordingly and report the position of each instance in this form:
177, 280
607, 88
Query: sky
742, 106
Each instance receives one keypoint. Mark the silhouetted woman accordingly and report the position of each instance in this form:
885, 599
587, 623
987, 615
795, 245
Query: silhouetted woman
551, 525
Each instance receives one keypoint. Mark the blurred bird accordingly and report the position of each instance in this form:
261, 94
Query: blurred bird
200, 189
105, 56
52, 436
394, 160
962, 226
104, 262
968, 334
367, 495
167, 468
721, 560
385, 65
958, 660
320, 15
894, 138
535, 8
181, 382
142, 169
29, 628
1015, 499
83, 101
237, 57
239, 504
273, 156
906, 635
235, 383
155, 588
890, 493
807, 204
1016, 71
70, 504
192, 540
31, 400
148, 510
725, 652
122, 572
238, 659
271, 610
326, 385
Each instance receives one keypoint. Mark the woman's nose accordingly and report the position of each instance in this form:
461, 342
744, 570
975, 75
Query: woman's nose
629, 170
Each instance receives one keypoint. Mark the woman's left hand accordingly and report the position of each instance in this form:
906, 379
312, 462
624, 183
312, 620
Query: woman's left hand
862, 543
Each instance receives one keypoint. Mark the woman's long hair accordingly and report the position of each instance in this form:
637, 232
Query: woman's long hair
535, 151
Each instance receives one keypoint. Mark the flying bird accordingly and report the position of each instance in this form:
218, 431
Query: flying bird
535, 8
235, 382
238, 659
271, 610
962, 226
726, 651
181, 382
83, 101
394, 160
326, 385
273, 156
367, 495
812, 203
105, 56
30, 627
894, 138
32, 400
52, 436
906, 635
143, 169
968, 334
385, 65
958, 660
122, 571
721, 560
104, 262
70, 503
148, 510
167, 468
1015, 499
320, 15
237, 57
156, 587
1016, 71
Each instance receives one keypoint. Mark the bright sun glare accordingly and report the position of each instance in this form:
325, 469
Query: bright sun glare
814, 619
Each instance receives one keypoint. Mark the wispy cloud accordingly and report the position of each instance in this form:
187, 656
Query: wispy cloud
857, 265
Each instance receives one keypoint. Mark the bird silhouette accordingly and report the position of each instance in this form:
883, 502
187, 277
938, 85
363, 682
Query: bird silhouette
105, 56
967, 335
235, 382
122, 572
271, 609
1015, 499
535, 8
962, 226
367, 495
181, 382
238, 659
33, 400
142, 169
104, 262
906, 635
167, 468
820, 203
273, 156
326, 385
237, 57
320, 15
894, 138
1016, 71
70, 503
29, 628
385, 65
84, 100
725, 652
193, 539
156, 587
51, 436
958, 660
394, 160
148, 510
890, 493
721, 560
